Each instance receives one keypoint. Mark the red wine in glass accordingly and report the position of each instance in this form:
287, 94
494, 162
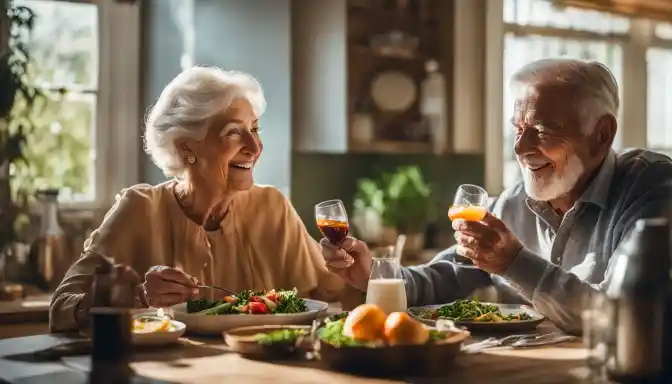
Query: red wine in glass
332, 220
334, 230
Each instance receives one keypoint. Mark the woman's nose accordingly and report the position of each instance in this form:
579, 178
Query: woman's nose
251, 145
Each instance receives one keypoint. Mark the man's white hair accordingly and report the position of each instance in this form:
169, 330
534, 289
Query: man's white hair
592, 82
186, 107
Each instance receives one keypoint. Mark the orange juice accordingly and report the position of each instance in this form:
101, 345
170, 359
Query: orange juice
469, 213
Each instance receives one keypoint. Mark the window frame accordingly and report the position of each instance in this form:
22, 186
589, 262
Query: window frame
635, 43
118, 117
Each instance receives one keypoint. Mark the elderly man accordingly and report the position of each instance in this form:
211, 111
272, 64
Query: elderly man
547, 241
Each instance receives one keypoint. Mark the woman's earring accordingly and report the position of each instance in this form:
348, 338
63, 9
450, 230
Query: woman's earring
191, 159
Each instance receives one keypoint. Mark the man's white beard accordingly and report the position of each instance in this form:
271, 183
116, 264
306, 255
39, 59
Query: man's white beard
554, 186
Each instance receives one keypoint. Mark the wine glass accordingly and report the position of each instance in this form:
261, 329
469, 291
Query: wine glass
471, 204
332, 219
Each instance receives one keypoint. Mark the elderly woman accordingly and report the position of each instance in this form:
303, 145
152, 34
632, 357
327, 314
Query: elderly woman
210, 224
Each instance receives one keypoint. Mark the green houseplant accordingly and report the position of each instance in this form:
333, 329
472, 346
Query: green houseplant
17, 22
400, 199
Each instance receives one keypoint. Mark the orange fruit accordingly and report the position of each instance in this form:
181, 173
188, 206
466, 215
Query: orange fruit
401, 329
365, 323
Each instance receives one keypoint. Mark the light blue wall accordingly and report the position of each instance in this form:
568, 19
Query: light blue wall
247, 35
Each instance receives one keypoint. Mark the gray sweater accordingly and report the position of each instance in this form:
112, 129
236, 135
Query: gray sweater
563, 259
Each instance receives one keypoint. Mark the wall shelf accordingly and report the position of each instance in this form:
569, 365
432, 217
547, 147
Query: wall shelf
333, 66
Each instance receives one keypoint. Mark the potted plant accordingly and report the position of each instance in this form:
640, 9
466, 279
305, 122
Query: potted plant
392, 204
17, 22
407, 205
369, 207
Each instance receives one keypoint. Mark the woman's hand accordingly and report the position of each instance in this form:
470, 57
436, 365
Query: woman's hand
352, 261
166, 286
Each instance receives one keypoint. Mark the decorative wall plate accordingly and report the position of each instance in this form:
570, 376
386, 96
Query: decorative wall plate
393, 91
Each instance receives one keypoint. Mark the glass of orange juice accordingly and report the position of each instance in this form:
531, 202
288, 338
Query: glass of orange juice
471, 204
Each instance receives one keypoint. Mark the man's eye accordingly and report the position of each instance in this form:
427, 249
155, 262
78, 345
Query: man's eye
256, 129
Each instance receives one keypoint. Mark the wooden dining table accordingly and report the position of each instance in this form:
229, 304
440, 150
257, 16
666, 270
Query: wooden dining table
208, 360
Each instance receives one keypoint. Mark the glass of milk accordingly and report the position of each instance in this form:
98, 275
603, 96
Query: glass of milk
386, 285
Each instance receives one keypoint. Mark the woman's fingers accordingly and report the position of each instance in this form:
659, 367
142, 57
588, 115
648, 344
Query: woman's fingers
177, 276
156, 285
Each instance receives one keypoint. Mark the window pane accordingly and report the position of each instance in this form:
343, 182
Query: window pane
64, 43
664, 30
59, 148
542, 13
521, 50
659, 100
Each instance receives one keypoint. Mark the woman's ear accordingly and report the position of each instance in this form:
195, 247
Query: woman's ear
183, 148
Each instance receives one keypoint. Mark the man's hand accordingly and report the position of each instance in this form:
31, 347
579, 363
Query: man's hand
489, 244
352, 261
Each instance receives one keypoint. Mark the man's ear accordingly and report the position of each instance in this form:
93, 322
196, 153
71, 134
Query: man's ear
603, 135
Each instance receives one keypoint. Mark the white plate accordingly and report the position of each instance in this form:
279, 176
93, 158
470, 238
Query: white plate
393, 91
160, 338
217, 324
157, 338
503, 326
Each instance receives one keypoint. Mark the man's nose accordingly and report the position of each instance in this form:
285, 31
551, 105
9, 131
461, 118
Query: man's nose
526, 143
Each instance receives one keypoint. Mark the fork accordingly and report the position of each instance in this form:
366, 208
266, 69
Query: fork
217, 288
492, 342
542, 340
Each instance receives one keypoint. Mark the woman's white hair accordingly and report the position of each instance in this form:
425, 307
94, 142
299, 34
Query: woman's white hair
592, 82
186, 107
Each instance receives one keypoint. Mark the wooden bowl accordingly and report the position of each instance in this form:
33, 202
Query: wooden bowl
394, 361
242, 341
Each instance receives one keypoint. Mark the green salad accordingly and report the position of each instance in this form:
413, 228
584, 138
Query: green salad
281, 336
472, 310
250, 302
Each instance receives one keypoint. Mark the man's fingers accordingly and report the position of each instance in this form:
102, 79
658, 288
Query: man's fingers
473, 228
466, 252
341, 263
494, 222
477, 243
326, 244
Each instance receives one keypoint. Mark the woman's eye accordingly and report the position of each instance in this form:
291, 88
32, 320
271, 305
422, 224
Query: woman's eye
256, 129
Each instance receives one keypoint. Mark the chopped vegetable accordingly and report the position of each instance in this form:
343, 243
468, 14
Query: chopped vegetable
472, 310
221, 309
198, 305
281, 336
258, 308
251, 302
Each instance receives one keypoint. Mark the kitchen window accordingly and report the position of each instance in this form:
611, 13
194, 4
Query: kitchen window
86, 138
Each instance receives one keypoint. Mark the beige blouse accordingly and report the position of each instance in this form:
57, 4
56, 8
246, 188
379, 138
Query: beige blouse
262, 244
